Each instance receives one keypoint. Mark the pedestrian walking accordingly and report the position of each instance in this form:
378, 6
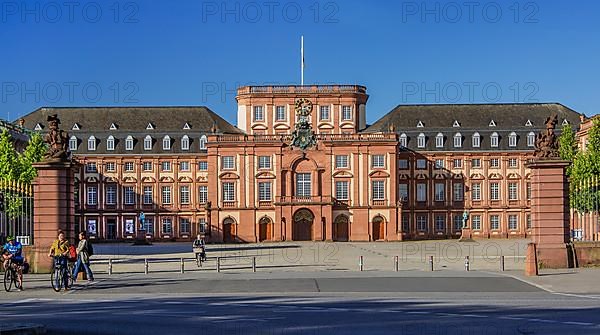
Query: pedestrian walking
84, 251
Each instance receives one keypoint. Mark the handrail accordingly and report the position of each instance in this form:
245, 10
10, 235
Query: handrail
291, 89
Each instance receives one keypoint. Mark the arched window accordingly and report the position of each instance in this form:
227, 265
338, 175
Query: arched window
148, 142
92, 143
403, 140
185, 143
439, 140
129, 143
476, 140
166, 142
203, 142
421, 140
531, 139
73, 143
457, 140
110, 143
512, 139
494, 139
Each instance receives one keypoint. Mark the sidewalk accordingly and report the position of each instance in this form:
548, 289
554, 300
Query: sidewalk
583, 281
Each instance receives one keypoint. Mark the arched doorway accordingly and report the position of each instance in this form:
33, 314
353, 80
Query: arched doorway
229, 230
378, 226
265, 229
341, 228
302, 227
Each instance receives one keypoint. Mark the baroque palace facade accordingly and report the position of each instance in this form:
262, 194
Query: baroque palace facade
303, 164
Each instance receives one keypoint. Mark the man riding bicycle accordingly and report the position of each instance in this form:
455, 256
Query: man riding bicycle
13, 250
200, 246
60, 251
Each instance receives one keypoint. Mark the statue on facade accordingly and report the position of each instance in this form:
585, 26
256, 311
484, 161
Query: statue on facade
546, 142
303, 136
57, 139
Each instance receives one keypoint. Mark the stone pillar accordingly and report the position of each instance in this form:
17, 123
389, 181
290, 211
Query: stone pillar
53, 208
550, 213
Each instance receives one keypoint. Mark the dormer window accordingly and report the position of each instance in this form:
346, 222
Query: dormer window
148, 142
476, 140
38, 127
73, 143
528, 123
494, 140
186, 126
439, 140
75, 126
185, 143
457, 140
420, 124
403, 140
129, 143
110, 143
531, 139
166, 142
203, 142
150, 126
492, 123
113, 126
565, 122
92, 143
512, 139
421, 140
456, 124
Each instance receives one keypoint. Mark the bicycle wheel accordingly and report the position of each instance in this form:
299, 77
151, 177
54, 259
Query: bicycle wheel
8, 280
69, 274
198, 260
15, 277
56, 279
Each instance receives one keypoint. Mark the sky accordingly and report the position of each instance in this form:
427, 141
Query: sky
180, 52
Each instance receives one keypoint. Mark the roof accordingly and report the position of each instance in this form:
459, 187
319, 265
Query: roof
468, 119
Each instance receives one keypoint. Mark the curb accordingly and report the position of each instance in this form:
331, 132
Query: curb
22, 329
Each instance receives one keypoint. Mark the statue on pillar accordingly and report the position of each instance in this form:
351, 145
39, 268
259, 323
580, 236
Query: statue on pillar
546, 142
58, 141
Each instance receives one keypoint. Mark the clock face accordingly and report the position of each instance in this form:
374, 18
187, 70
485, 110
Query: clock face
303, 107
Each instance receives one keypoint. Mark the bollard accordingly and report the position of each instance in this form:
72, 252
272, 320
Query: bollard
218, 264
360, 263
182, 266
501, 263
146, 266
431, 263
253, 264
396, 263
110, 271
466, 263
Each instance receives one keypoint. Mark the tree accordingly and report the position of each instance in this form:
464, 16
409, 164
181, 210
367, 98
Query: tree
585, 172
33, 153
567, 145
9, 162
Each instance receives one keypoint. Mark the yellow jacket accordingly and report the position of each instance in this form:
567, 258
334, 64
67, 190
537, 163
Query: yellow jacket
58, 248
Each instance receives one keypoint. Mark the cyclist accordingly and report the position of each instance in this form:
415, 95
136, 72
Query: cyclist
14, 250
199, 244
60, 251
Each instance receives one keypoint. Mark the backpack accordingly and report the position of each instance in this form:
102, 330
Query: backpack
72, 253
90, 248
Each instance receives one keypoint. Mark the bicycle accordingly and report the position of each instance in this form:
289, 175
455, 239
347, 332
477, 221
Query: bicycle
57, 278
11, 277
200, 256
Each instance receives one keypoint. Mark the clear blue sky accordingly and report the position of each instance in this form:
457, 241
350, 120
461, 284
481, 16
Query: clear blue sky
197, 52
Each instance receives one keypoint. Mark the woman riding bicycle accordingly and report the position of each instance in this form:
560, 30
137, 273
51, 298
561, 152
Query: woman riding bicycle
200, 246
60, 251
13, 250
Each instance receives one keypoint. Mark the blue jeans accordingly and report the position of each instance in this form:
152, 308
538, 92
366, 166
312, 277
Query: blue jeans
86, 267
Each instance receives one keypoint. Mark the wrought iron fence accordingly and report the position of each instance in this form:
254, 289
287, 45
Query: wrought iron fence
585, 209
16, 211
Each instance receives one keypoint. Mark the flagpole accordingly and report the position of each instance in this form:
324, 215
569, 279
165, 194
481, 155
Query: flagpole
302, 60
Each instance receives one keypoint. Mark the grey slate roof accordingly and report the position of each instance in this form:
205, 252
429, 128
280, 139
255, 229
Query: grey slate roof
133, 121
472, 118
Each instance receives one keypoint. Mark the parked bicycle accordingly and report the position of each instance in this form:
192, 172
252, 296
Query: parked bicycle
11, 277
62, 274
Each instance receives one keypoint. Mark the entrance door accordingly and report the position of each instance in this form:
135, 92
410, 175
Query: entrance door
341, 229
264, 229
378, 225
302, 229
228, 231
111, 229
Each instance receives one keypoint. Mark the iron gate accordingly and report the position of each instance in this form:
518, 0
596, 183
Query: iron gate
16, 211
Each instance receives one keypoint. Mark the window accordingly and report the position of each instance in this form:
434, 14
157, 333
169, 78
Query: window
494, 139
184, 226
494, 222
228, 162
202, 225
457, 163
531, 139
476, 140
405, 223
184, 166
494, 163
203, 165
458, 191
185, 143
148, 142
513, 191
341, 190
421, 140
512, 139
110, 167
110, 143
513, 162
528, 221
324, 115
439, 140
147, 166
184, 195
165, 166
378, 161
258, 113
440, 222
439, 163
528, 191
148, 195
303, 185
129, 143
457, 222
73, 143
76, 194
149, 225
346, 112
341, 161
111, 194
166, 195
264, 191
228, 192
92, 143
378, 189
91, 167
129, 195
421, 223
440, 190
475, 163
421, 192
421, 164
129, 166
403, 164
92, 195
476, 222
403, 140
202, 142
280, 113
457, 140
167, 225
264, 162
513, 222
476, 192
403, 192
494, 191
202, 194
166, 142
